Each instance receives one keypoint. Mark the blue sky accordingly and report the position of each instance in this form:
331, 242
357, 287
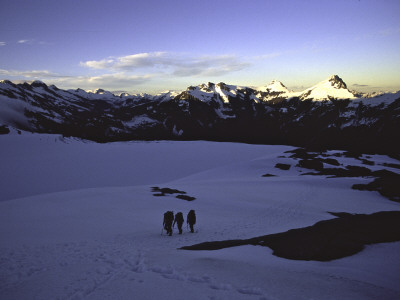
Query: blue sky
151, 46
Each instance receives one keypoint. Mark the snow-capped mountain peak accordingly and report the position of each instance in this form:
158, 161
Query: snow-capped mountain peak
333, 87
274, 86
210, 91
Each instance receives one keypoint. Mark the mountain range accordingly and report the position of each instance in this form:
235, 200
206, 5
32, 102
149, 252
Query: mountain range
325, 116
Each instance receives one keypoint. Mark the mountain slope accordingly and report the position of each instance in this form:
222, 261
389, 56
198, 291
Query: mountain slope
326, 115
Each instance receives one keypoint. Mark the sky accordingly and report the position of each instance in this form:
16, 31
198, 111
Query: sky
156, 45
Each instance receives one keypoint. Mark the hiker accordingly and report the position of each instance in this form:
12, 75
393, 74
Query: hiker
191, 219
179, 220
168, 219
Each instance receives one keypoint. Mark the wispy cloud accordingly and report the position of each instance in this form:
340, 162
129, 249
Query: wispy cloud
360, 85
127, 72
32, 42
171, 63
106, 81
2, 44
30, 74
25, 41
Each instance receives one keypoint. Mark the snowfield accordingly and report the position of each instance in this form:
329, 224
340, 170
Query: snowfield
78, 220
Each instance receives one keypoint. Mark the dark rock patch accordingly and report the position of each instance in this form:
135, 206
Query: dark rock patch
352, 154
333, 172
368, 162
394, 155
349, 171
164, 191
330, 161
326, 240
396, 166
268, 175
387, 184
186, 197
301, 153
313, 164
4, 129
160, 192
282, 166
357, 171
384, 173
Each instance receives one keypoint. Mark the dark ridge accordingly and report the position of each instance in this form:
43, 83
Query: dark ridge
326, 240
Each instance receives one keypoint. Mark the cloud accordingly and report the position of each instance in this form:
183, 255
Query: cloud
101, 64
360, 85
33, 42
2, 44
177, 64
30, 74
105, 81
25, 42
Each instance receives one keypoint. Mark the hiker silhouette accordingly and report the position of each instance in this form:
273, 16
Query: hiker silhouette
168, 219
191, 219
179, 220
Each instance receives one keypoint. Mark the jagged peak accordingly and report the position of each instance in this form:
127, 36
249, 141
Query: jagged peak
38, 83
277, 83
274, 86
5, 81
101, 92
337, 82
274, 81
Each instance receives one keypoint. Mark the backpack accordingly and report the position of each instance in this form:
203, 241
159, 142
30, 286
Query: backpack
179, 217
168, 217
191, 217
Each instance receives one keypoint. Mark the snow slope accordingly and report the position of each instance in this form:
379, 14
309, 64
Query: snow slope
92, 228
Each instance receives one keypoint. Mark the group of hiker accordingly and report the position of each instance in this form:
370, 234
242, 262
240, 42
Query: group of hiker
170, 221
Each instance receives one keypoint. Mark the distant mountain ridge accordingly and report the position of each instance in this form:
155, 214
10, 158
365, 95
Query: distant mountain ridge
327, 115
